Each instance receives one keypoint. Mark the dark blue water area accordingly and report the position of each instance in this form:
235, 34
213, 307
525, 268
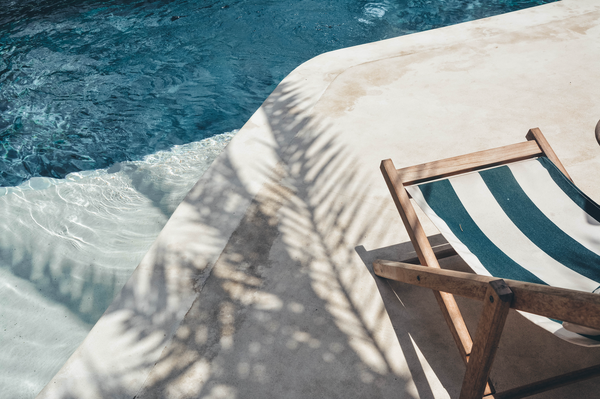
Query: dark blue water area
85, 84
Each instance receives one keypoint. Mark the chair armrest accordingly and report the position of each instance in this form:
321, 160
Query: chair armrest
557, 303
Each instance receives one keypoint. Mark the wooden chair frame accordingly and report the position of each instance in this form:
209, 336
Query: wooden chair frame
498, 295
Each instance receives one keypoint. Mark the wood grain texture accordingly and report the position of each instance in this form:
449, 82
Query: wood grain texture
409, 216
457, 283
441, 252
536, 135
557, 303
427, 257
469, 162
562, 304
547, 384
497, 300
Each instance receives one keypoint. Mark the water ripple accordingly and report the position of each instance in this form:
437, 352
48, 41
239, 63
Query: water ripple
87, 83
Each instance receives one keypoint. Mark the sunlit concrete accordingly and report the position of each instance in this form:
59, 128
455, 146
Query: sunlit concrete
260, 284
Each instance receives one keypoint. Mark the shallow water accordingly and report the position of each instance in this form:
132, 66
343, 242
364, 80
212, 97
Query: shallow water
69, 245
109, 113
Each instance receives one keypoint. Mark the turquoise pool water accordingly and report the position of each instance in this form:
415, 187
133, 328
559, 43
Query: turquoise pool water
109, 113
87, 83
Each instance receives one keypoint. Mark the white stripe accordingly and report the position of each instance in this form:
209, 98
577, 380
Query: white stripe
472, 260
497, 226
464, 252
539, 186
557, 329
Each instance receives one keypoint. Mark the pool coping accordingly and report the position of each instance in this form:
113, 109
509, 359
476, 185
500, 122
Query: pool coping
125, 345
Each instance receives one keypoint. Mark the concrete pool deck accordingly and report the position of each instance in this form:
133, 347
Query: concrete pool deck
261, 285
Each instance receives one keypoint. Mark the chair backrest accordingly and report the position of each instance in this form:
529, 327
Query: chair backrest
535, 146
522, 220
396, 179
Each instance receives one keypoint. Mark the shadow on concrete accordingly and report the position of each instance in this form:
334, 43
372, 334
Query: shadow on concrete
282, 313
417, 320
526, 353
288, 309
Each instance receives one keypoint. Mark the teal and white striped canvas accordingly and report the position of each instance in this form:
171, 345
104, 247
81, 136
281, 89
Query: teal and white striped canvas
524, 221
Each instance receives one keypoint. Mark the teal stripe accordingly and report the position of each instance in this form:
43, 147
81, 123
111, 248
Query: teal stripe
442, 198
578, 197
537, 226
592, 337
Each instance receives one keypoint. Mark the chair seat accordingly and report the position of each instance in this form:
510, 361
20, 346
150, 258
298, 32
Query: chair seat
523, 221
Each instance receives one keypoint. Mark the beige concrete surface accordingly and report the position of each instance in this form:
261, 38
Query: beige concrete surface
260, 285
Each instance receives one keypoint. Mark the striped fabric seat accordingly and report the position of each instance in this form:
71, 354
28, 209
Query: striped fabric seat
523, 221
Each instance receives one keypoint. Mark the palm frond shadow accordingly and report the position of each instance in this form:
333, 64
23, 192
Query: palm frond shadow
284, 302
526, 352
288, 309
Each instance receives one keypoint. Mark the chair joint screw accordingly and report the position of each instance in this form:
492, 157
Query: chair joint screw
491, 299
418, 278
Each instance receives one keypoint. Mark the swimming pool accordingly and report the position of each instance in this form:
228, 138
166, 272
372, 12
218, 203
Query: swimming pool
122, 105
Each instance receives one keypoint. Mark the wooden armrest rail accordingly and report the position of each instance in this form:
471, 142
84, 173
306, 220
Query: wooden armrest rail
557, 303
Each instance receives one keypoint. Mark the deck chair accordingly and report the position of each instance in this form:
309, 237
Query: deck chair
530, 235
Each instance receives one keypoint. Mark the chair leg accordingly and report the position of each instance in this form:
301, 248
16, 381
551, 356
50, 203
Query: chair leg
489, 329
548, 384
